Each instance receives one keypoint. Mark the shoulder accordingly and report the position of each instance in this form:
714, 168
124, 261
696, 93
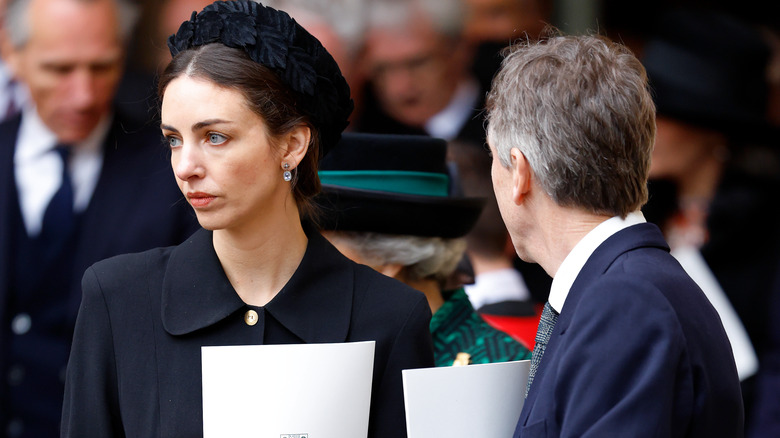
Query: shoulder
635, 265
380, 290
647, 296
371, 289
126, 272
385, 306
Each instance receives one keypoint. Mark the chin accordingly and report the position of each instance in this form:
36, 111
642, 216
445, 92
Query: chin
72, 137
524, 255
209, 223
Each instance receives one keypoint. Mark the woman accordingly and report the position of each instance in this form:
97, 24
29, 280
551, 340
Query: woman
388, 207
245, 128
715, 175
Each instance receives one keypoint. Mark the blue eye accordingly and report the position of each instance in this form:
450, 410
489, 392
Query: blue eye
173, 142
215, 138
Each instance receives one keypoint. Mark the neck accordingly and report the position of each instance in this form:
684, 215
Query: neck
432, 291
259, 262
701, 181
563, 228
484, 263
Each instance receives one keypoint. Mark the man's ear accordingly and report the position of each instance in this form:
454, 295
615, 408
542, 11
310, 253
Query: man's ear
9, 55
521, 176
296, 145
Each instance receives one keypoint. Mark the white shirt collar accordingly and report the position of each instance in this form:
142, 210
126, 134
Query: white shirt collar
448, 122
579, 255
496, 286
38, 169
35, 138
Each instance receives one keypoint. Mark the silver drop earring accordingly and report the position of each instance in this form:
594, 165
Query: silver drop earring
287, 175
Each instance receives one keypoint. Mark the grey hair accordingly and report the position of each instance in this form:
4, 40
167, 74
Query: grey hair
422, 257
17, 23
447, 16
580, 111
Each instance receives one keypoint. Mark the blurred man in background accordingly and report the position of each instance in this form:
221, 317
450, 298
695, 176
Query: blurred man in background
79, 182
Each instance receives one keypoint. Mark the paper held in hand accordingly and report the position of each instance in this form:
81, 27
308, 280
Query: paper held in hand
465, 401
290, 391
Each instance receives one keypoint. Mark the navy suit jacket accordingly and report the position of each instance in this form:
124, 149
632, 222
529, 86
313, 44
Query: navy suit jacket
637, 351
136, 205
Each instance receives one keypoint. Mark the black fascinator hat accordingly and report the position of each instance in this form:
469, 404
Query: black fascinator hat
272, 38
392, 184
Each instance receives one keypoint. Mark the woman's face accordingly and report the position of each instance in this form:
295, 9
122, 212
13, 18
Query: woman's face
224, 163
680, 148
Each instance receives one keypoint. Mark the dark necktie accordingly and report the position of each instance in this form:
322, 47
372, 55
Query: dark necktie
58, 219
543, 333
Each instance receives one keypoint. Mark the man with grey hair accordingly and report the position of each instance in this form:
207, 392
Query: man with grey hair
12, 94
79, 182
417, 64
628, 345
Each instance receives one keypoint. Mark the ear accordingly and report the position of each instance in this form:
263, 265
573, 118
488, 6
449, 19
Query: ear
521, 176
296, 145
9, 54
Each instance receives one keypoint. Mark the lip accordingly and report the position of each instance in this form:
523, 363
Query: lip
200, 199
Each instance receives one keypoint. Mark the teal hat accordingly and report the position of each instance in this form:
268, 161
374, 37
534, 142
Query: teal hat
393, 184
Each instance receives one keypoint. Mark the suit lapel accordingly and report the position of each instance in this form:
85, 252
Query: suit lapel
8, 132
112, 202
637, 236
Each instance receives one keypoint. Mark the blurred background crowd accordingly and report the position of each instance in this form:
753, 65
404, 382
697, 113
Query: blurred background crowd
423, 67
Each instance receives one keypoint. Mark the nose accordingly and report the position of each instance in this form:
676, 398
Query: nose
83, 86
186, 161
399, 81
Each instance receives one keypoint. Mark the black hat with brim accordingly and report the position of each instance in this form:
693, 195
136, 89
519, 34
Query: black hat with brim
392, 184
709, 70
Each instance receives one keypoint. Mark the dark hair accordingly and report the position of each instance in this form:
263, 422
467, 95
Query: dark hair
265, 94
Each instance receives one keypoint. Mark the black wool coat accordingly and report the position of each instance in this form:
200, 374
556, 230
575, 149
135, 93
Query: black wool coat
135, 365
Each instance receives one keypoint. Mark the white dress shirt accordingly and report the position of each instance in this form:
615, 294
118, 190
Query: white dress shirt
497, 286
38, 168
579, 255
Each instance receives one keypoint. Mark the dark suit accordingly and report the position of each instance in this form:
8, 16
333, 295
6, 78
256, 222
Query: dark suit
637, 351
135, 206
135, 366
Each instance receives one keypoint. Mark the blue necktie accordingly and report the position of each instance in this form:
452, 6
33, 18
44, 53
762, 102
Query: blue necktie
543, 333
58, 219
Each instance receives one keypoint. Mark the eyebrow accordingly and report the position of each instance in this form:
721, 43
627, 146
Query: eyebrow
197, 126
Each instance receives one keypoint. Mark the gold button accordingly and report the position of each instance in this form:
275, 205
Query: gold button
250, 317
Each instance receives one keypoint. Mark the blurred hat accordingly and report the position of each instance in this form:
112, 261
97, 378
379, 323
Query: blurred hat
392, 184
709, 70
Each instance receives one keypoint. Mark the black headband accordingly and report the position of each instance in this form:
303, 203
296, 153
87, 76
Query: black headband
272, 38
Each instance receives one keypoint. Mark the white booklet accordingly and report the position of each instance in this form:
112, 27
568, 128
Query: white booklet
287, 391
482, 400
